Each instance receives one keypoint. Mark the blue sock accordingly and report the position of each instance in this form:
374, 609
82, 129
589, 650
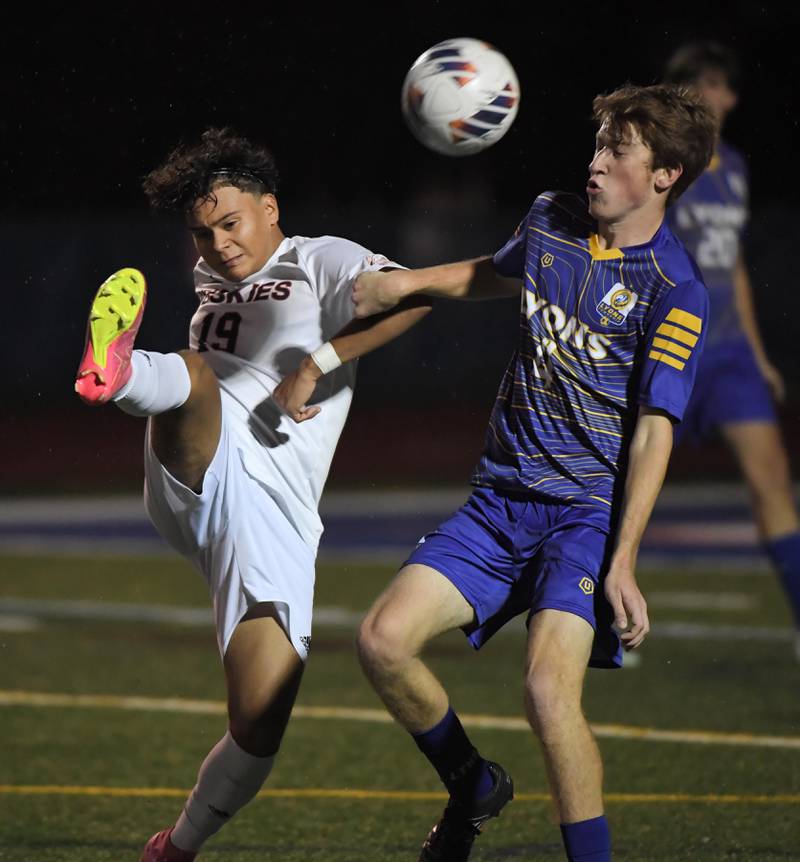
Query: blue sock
463, 771
587, 841
785, 556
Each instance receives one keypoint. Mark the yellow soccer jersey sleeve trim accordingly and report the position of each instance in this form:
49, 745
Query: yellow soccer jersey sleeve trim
685, 318
678, 334
683, 352
669, 360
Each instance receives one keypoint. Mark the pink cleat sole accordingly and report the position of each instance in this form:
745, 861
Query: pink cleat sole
114, 320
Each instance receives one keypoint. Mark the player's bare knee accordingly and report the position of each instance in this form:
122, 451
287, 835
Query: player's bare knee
383, 642
258, 727
768, 474
550, 698
256, 738
374, 647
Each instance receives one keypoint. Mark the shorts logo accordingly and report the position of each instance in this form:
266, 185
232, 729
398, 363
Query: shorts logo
616, 304
305, 640
587, 586
547, 259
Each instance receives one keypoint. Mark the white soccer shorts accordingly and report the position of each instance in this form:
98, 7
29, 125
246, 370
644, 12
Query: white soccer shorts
235, 534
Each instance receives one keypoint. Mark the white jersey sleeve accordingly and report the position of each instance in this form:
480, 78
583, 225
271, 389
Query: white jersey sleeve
333, 264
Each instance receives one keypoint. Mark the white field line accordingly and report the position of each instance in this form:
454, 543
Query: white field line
378, 716
334, 617
14, 623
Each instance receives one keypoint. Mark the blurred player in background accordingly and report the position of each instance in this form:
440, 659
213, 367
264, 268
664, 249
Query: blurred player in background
613, 316
230, 482
737, 385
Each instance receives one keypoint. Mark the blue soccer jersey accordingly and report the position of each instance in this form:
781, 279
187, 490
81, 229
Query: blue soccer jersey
710, 218
602, 332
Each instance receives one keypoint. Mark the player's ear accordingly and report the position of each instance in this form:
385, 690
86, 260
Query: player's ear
665, 178
270, 204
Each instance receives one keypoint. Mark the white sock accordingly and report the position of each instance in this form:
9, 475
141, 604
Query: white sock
228, 779
158, 382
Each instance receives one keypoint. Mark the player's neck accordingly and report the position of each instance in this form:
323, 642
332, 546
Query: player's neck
277, 237
633, 229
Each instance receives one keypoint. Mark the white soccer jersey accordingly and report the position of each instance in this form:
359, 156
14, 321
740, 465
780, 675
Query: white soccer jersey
255, 332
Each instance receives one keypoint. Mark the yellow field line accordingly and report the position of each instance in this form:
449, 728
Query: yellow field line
398, 795
379, 716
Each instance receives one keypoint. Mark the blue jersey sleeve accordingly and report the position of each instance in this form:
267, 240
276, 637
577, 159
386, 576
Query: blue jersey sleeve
673, 346
510, 260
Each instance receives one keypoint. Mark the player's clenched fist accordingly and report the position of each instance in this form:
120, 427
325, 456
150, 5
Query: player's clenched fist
294, 391
376, 292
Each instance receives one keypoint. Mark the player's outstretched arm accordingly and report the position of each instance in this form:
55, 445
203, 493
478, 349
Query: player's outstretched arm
648, 457
743, 294
356, 339
375, 292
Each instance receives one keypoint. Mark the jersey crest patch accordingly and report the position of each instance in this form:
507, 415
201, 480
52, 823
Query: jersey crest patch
617, 303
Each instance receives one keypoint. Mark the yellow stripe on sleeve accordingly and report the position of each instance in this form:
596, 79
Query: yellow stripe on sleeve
690, 321
678, 334
683, 352
669, 360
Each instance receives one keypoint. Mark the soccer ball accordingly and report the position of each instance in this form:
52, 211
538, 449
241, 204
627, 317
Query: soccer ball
460, 97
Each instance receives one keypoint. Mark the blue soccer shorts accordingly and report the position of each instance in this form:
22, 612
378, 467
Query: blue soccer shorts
729, 388
507, 554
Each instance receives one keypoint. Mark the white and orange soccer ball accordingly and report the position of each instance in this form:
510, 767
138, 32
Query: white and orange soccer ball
460, 97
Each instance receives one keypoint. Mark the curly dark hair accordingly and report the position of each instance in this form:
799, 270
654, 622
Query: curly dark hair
674, 122
191, 172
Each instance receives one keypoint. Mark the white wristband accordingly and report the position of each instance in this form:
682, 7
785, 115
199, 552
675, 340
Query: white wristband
326, 358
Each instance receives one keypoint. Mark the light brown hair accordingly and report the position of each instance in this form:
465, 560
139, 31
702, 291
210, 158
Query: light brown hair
674, 122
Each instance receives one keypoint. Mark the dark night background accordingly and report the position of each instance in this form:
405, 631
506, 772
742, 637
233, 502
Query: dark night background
93, 100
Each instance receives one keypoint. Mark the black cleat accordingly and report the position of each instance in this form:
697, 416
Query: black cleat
452, 837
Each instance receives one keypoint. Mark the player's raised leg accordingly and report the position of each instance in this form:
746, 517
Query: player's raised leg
420, 604
178, 390
765, 465
559, 646
263, 673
